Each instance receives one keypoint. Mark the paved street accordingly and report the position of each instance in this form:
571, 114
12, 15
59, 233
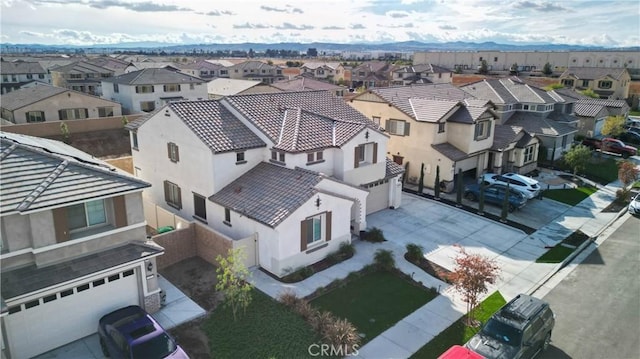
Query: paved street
598, 303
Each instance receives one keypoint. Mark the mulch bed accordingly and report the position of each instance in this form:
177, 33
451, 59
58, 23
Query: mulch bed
431, 268
615, 207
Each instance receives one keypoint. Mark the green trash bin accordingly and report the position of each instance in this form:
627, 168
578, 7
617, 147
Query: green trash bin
165, 229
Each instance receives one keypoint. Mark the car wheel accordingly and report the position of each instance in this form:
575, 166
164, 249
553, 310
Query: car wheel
103, 346
470, 196
547, 341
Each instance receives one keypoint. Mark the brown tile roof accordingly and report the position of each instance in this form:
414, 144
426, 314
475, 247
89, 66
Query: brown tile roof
504, 135
450, 151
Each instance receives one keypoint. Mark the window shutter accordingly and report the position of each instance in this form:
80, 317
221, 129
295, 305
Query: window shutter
375, 152
475, 134
356, 157
166, 191
303, 235
120, 210
328, 227
179, 197
61, 224
177, 153
407, 125
387, 125
488, 128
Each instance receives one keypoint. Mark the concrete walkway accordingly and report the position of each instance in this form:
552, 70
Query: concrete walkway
437, 228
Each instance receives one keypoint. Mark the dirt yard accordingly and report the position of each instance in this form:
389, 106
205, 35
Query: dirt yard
197, 279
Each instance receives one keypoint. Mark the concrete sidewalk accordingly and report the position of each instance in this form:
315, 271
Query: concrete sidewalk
437, 228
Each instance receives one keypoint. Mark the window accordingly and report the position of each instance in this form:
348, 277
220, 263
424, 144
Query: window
173, 152
605, 84
376, 120
314, 157
315, 229
441, 126
5, 78
277, 156
73, 114
585, 83
564, 141
105, 111
528, 153
397, 127
483, 130
567, 82
224, 72
365, 153
171, 88
240, 158
75, 76
29, 76
134, 140
495, 59
525, 107
172, 195
227, 216
144, 89
199, 206
86, 215
192, 86
116, 89
35, 116
147, 106
480, 58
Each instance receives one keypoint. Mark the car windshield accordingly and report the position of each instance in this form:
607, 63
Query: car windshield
502, 332
157, 347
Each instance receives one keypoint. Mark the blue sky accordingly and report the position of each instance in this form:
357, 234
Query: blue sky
88, 22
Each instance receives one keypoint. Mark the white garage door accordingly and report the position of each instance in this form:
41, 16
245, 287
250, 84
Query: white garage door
70, 314
378, 197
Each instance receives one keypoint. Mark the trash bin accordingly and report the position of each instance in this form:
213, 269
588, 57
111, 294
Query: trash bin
165, 229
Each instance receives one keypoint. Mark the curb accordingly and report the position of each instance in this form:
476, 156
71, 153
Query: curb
574, 254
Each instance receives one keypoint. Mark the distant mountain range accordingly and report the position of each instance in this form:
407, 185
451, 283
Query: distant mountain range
405, 46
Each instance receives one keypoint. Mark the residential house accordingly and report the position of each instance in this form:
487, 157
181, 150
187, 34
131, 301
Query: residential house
256, 71
148, 89
421, 74
221, 87
49, 103
608, 83
537, 111
328, 71
149, 64
73, 244
592, 114
80, 76
16, 74
204, 69
445, 129
371, 74
118, 66
302, 83
298, 170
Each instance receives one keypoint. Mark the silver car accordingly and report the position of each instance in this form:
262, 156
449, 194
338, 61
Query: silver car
527, 185
634, 206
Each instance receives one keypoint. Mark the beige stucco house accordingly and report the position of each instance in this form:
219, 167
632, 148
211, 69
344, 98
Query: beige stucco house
608, 83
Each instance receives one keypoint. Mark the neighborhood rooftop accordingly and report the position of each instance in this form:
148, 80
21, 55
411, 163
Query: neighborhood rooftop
154, 76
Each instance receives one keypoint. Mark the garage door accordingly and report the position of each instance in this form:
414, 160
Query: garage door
378, 196
70, 314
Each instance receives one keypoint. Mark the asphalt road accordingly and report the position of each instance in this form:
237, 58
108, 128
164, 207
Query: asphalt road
597, 305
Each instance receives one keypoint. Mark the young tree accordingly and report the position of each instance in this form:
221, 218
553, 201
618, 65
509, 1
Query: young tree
472, 274
578, 157
627, 173
436, 186
505, 205
459, 188
547, 70
513, 70
590, 93
613, 126
484, 68
421, 180
233, 282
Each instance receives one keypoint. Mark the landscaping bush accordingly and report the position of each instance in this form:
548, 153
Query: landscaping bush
346, 250
288, 298
340, 333
305, 310
333, 258
321, 320
414, 252
374, 235
383, 259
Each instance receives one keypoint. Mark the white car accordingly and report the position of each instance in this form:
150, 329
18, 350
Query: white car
528, 186
634, 206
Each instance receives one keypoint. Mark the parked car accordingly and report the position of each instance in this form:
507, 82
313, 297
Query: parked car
460, 352
494, 193
629, 137
634, 206
610, 145
530, 187
520, 329
130, 332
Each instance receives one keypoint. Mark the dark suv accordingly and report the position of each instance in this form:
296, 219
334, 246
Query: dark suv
521, 329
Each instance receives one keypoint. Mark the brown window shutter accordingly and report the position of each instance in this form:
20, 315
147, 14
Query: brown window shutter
177, 153
356, 156
375, 152
120, 211
169, 150
407, 128
328, 234
179, 198
303, 235
166, 191
61, 224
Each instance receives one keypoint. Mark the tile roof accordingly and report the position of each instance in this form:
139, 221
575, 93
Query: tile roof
301, 83
37, 173
21, 67
315, 65
393, 169
469, 114
227, 87
592, 73
504, 135
31, 278
372, 66
82, 67
26, 96
154, 76
450, 151
268, 193
591, 107
218, 128
539, 125
507, 91
253, 65
200, 64
566, 95
431, 110
266, 111
399, 96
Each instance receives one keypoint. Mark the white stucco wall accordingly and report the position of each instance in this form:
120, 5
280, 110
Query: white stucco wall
66, 100
130, 100
366, 172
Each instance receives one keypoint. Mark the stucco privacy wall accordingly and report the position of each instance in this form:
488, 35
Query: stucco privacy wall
46, 129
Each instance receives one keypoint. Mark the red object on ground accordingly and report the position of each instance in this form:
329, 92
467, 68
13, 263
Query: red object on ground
460, 352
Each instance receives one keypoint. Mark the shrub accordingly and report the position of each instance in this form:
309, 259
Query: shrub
305, 310
341, 333
321, 320
623, 196
288, 298
333, 258
414, 252
346, 250
374, 235
383, 259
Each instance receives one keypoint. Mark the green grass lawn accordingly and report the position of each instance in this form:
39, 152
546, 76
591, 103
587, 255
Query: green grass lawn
570, 196
458, 332
267, 330
374, 301
558, 253
603, 170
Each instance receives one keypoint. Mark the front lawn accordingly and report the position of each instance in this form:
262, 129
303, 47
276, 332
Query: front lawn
374, 301
268, 329
600, 168
458, 332
562, 250
570, 196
